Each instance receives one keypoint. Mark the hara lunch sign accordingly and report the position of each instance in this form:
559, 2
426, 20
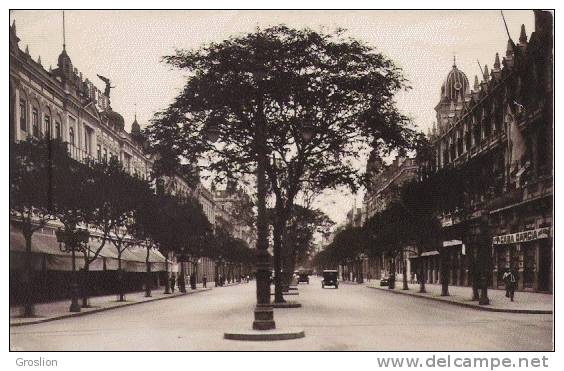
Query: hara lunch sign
519, 237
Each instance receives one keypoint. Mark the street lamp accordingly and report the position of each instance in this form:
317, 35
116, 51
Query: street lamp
72, 241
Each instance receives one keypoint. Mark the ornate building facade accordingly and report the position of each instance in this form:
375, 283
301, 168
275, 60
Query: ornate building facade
496, 140
62, 103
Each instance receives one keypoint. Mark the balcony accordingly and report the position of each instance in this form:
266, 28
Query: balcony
78, 154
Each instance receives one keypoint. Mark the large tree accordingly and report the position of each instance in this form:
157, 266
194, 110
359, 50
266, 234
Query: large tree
303, 226
322, 99
30, 200
73, 190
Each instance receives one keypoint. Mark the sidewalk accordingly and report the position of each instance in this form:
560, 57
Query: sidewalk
45, 312
525, 302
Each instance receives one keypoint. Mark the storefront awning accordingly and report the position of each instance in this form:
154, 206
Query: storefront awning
430, 253
133, 258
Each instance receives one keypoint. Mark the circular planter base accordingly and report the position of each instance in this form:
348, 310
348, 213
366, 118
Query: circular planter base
265, 335
288, 304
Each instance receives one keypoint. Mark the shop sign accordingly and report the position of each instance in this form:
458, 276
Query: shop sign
526, 236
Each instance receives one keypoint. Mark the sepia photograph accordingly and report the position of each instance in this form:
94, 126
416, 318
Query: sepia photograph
282, 180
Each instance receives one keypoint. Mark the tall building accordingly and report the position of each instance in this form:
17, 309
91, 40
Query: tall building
62, 103
498, 136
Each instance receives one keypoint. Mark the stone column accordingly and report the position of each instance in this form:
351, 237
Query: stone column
521, 264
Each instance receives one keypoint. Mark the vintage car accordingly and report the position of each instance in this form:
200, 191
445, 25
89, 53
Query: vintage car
303, 276
330, 279
385, 281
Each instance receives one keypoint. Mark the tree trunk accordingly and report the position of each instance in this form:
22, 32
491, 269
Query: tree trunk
28, 291
359, 274
484, 274
475, 275
85, 283
405, 285
120, 279
277, 249
167, 279
182, 278
444, 255
422, 278
392, 277
149, 278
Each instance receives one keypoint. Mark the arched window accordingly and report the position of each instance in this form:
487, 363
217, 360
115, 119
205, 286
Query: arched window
23, 115
71, 136
35, 122
57, 130
47, 123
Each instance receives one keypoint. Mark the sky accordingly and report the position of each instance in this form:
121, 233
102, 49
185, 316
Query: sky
127, 47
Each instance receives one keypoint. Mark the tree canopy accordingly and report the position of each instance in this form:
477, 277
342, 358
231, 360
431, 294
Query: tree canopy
289, 79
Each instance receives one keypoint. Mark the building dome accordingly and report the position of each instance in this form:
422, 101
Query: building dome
456, 84
115, 119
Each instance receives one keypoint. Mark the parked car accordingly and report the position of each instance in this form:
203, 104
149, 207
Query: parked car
385, 281
330, 279
303, 277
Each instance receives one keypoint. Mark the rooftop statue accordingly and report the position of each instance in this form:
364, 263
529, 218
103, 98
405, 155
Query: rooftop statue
108, 85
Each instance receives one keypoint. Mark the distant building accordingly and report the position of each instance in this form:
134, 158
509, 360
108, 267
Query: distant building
383, 189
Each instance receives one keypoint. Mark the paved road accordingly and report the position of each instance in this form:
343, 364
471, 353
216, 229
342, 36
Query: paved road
350, 318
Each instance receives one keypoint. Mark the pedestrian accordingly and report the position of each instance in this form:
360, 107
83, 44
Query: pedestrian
204, 281
172, 282
510, 279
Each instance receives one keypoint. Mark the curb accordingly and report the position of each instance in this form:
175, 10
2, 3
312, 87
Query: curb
97, 310
265, 335
467, 305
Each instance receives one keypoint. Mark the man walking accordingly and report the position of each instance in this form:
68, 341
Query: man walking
172, 282
510, 279
204, 281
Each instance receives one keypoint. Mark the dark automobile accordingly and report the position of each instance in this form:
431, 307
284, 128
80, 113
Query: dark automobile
385, 281
330, 279
303, 277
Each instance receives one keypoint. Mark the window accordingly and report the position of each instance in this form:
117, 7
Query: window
57, 130
99, 152
105, 155
23, 115
35, 123
127, 159
71, 136
47, 122
87, 136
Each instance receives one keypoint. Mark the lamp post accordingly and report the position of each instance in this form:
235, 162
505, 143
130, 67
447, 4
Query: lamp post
72, 241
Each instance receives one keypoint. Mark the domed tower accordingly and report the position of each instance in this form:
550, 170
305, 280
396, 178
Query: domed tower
454, 92
136, 134
135, 128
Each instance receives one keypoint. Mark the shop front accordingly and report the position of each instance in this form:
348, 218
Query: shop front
529, 253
